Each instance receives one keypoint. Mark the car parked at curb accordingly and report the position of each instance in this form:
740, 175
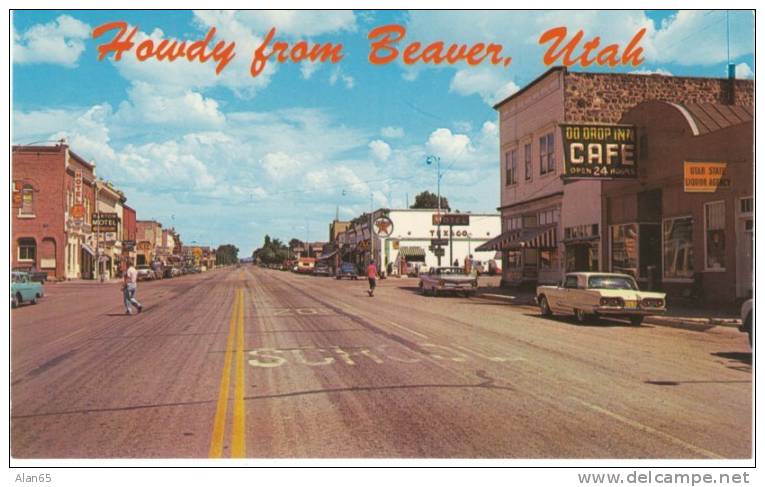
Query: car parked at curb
448, 279
34, 274
321, 269
348, 270
747, 323
588, 295
145, 273
24, 290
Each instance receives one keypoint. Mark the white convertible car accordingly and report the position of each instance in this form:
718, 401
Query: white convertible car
591, 294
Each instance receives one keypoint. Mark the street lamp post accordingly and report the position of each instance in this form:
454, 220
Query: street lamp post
430, 160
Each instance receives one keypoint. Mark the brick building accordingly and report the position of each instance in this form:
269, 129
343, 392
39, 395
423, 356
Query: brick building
550, 224
129, 231
696, 239
53, 201
148, 241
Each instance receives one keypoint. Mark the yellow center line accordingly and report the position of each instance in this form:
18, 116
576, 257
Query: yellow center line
219, 424
238, 445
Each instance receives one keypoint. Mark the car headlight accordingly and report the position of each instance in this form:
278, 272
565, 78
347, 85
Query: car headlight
652, 303
611, 302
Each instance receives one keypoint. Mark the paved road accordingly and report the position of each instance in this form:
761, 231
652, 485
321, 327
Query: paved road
260, 363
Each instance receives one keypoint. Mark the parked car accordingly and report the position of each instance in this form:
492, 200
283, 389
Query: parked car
34, 274
347, 270
451, 279
588, 294
145, 273
321, 269
746, 318
24, 290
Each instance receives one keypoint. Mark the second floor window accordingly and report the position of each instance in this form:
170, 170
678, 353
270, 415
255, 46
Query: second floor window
27, 200
546, 153
511, 167
527, 161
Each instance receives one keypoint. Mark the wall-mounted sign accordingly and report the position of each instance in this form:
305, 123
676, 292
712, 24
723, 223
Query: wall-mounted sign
105, 222
599, 151
144, 245
705, 177
451, 219
383, 227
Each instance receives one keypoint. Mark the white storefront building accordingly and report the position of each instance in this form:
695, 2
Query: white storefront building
409, 246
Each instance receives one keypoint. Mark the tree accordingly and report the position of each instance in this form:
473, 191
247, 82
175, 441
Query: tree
426, 199
273, 251
226, 254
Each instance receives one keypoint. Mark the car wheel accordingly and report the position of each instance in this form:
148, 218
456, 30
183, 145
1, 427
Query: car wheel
33, 300
581, 316
748, 326
544, 306
636, 320
16, 301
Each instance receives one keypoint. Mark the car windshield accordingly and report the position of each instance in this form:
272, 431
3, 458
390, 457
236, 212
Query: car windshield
451, 271
612, 282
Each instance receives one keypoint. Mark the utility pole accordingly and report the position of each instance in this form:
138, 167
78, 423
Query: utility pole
371, 230
429, 160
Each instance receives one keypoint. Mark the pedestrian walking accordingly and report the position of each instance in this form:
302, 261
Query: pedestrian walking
372, 277
129, 288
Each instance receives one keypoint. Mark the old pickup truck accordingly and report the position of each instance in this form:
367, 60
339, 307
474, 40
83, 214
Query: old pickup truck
590, 295
448, 279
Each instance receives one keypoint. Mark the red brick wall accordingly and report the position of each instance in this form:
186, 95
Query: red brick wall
45, 172
129, 227
44, 169
605, 97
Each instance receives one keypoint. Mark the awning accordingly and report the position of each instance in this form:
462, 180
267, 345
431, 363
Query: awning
327, 256
581, 240
88, 249
524, 238
412, 252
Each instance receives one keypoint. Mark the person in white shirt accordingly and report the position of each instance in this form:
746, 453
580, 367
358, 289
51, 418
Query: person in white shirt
129, 287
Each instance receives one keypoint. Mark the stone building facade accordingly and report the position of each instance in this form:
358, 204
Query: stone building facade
551, 225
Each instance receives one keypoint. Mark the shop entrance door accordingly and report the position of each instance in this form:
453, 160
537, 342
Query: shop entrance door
746, 258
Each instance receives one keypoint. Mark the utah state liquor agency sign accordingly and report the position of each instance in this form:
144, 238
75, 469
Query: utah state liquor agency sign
599, 151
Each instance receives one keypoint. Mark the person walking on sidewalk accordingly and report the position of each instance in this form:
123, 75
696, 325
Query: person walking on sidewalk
129, 287
372, 276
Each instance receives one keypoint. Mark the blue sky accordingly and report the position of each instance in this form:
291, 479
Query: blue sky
230, 158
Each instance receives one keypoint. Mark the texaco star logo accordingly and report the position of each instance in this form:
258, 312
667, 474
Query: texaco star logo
383, 227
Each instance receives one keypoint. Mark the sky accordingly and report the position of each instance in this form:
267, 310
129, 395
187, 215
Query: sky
229, 158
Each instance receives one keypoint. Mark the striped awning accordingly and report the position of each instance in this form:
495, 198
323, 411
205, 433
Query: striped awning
411, 251
544, 237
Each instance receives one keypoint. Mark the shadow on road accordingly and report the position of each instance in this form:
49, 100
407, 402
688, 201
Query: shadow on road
742, 357
597, 322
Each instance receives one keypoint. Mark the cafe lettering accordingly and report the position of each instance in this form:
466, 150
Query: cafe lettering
599, 151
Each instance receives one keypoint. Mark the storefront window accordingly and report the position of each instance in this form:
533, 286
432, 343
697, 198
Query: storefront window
513, 259
677, 235
714, 222
545, 259
624, 249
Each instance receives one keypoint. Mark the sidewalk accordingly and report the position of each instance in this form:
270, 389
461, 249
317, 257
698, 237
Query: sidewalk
678, 314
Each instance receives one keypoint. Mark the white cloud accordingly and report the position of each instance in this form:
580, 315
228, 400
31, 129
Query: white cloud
449, 146
743, 71
295, 23
380, 150
58, 42
486, 82
338, 75
308, 68
280, 166
392, 132
645, 71
159, 105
